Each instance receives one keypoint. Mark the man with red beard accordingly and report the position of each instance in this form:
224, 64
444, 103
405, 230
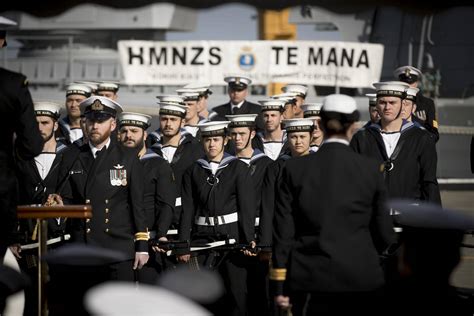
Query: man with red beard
110, 178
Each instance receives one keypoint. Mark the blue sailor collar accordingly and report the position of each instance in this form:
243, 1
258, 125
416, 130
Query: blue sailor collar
149, 154
406, 125
257, 154
60, 146
159, 145
262, 137
204, 163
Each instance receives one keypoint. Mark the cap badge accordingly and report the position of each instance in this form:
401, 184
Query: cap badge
97, 105
407, 72
118, 166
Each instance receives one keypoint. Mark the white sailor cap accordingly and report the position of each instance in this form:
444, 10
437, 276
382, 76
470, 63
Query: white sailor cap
272, 105
238, 82
298, 125
241, 120
91, 84
214, 128
188, 94
100, 108
339, 107
134, 119
391, 89
372, 98
173, 109
411, 94
80, 89
47, 108
300, 90
311, 110
202, 87
408, 74
108, 86
5, 24
170, 99
288, 97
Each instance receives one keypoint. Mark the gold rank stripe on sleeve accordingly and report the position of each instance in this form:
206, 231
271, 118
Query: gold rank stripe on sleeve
278, 274
142, 236
435, 124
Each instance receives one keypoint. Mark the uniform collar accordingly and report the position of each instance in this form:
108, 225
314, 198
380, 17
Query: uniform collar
94, 149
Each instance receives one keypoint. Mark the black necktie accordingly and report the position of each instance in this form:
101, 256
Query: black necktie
99, 152
235, 110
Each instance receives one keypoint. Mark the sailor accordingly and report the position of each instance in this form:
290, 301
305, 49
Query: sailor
290, 104
219, 202
204, 91
108, 89
311, 111
425, 112
177, 147
299, 133
300, 92
194, 102
93, 85
272, 140
160, 190
238, 91
70, 126
406, 152
110, 178
330, 226
17, 111
242, 131
37, 178
373, 113
409, 105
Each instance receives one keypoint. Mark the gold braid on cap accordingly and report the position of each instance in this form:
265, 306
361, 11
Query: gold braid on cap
142, 236
277, 274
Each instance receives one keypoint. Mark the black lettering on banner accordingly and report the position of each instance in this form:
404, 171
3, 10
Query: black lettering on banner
157, 58
315, 59
132, 56
363, 59
177, 55
198, 50
290, 59
215, 52
332, 58
277, 51
346, 57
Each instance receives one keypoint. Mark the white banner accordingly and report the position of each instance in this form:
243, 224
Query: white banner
343, 64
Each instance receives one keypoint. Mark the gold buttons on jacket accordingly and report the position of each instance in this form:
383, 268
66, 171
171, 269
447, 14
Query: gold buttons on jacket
106, 230
106, 220
106, 201
106, 211
88, 220
88, 230
88, 201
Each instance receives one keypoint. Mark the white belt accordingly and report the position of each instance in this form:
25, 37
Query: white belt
221, 219
178, 201
257, 221
49, 242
